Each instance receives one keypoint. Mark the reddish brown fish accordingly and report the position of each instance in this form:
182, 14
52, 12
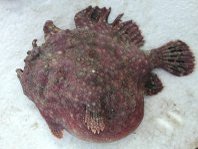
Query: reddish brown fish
91, 80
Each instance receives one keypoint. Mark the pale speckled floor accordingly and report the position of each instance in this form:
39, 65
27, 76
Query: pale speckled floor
171, 117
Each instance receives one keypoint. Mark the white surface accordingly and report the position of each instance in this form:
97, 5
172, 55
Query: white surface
171, 117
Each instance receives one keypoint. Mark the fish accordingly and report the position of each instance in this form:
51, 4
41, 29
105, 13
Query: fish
91, 80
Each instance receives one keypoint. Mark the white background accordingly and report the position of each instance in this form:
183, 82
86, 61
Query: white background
171, 117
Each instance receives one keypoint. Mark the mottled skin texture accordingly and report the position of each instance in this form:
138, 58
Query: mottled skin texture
91, 80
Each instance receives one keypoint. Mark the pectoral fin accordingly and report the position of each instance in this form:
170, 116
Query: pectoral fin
94, 120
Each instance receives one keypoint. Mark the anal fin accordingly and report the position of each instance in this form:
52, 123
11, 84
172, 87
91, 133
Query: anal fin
153, 85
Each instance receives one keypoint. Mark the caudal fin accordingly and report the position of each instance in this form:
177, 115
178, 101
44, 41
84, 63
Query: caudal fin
175, 57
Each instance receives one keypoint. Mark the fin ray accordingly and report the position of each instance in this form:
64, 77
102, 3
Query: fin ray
127, 30
175, 57
153, 85
94, 120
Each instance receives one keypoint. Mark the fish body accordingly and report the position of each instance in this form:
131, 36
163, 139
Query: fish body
91, 80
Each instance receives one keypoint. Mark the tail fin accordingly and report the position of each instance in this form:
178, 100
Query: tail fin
175, 57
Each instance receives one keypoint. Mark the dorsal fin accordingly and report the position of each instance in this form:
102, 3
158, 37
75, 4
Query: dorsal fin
90, 16
127, 30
